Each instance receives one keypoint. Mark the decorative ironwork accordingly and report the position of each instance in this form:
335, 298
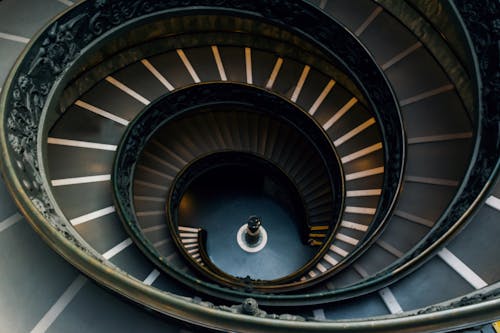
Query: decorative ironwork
464, 301
55, 50
249, 307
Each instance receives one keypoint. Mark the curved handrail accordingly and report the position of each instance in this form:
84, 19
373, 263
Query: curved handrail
485, 170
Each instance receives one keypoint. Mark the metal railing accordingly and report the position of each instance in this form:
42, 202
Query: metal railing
30, 97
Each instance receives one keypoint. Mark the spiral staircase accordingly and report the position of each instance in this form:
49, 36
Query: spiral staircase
138, 137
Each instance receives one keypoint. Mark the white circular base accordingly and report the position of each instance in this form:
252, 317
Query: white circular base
240, 238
